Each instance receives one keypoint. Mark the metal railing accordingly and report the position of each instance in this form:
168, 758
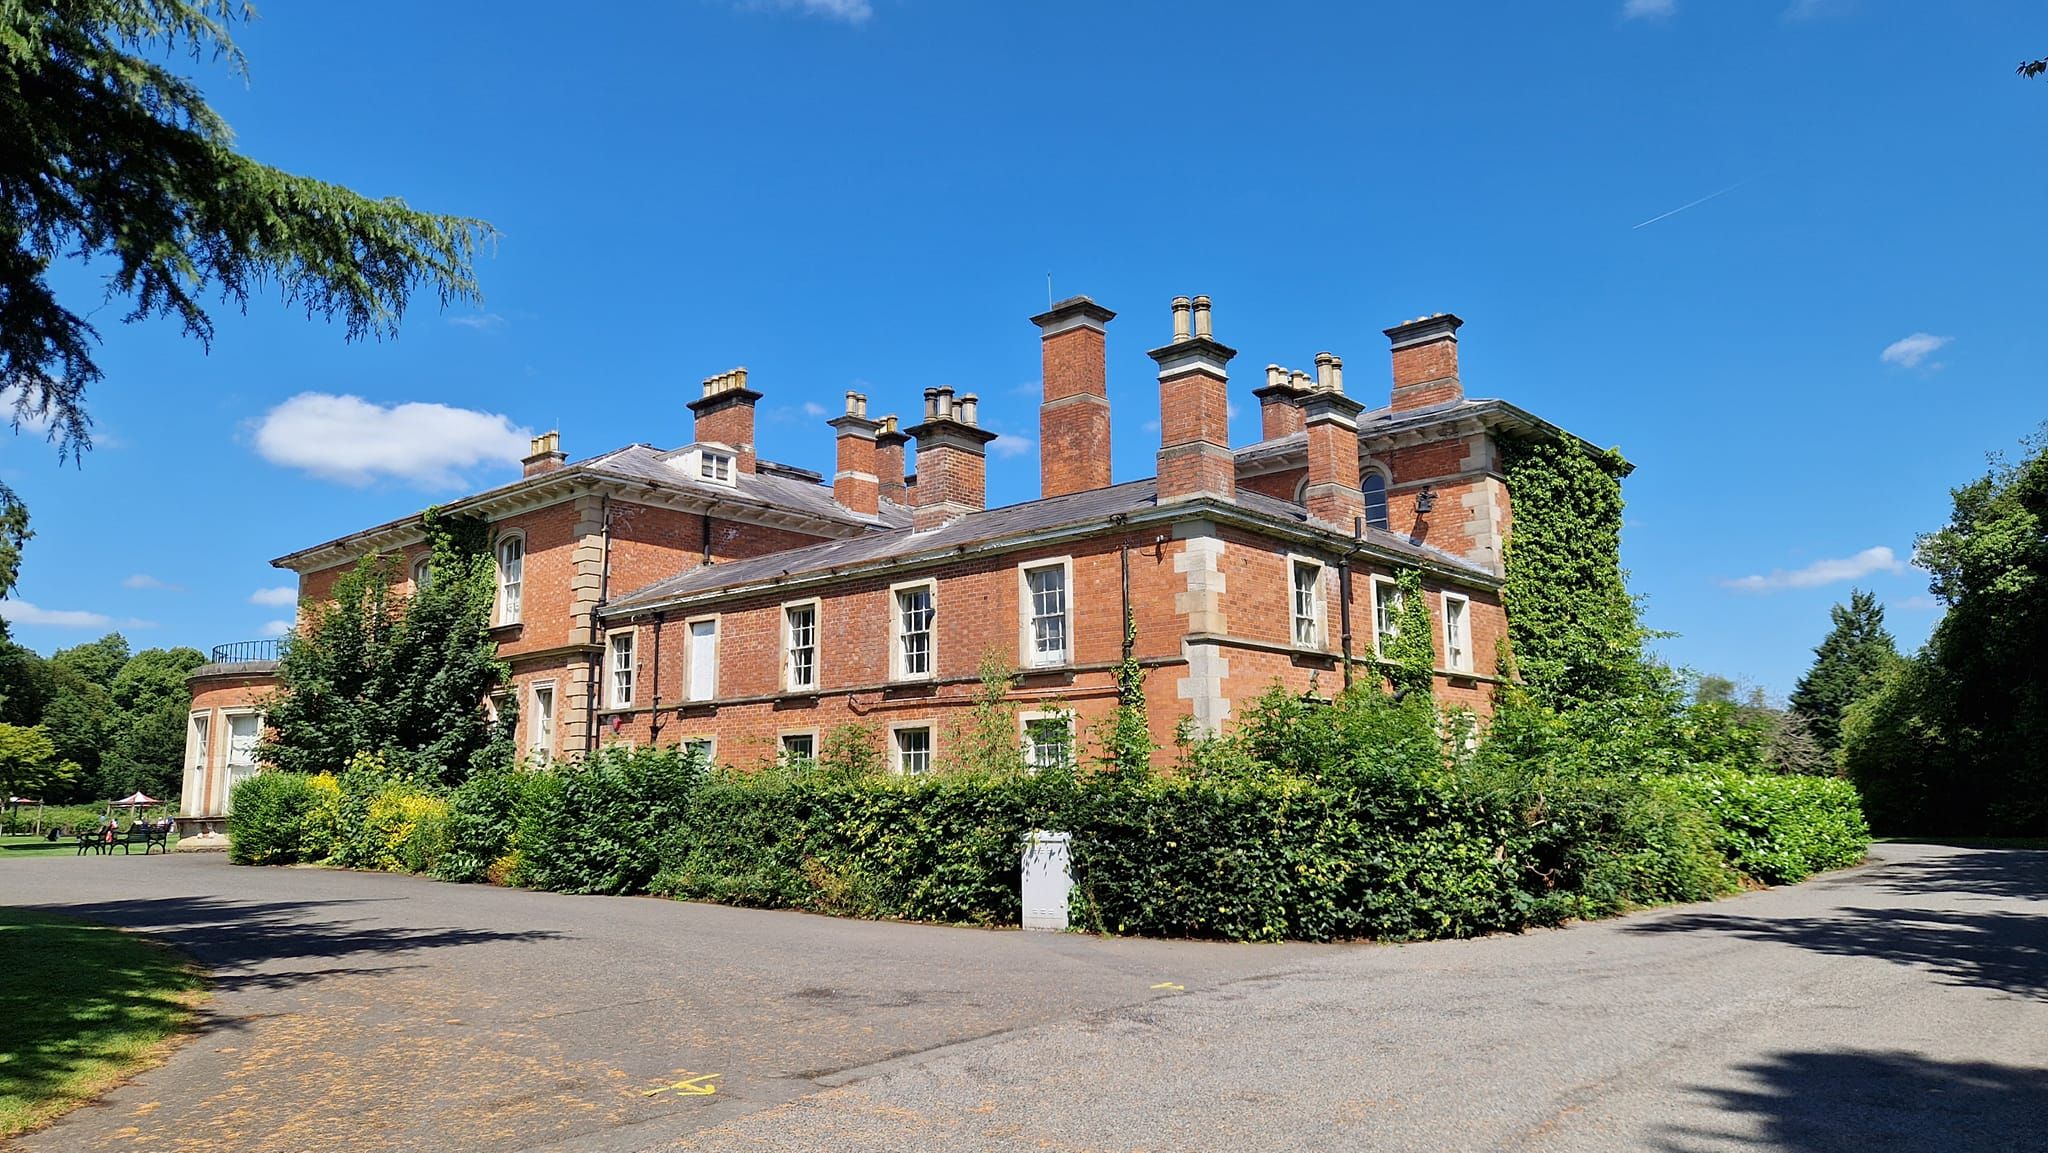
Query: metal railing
242, 652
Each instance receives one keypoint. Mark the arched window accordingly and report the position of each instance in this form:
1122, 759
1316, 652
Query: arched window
1375, 486
511, 577
422, 573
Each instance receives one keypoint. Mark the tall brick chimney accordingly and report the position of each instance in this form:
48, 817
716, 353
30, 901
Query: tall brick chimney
889, 442
1194, 409
855, 484
1426, 362
1073, 422
546, 454
1279, 403
725, 415
952, 460
1331, 418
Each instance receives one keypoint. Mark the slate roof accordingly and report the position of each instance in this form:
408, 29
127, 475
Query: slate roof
994, 525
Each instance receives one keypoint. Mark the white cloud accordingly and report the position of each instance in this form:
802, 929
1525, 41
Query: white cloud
1648, 9
851, 11
1909, 351
143, 580
1009, 445
813, 408
282, 595
276, 628
481, 321
1822, 572
24, 613
1922, 603
351, 440
36, 420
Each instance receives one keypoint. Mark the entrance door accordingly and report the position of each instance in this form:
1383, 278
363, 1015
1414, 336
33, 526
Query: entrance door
243, 730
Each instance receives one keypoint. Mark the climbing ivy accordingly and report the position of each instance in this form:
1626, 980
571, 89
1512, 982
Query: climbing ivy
1574, 636
1412, 650
1126, 736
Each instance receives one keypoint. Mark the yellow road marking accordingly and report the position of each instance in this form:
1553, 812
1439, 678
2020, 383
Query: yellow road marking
696, 1086
1170, 985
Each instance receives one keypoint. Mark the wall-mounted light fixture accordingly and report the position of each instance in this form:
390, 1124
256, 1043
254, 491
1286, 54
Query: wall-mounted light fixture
1426, 499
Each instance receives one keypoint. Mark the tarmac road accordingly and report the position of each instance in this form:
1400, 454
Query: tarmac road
1902, 1005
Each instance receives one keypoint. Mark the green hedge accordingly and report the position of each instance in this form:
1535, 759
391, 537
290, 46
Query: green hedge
1362, 818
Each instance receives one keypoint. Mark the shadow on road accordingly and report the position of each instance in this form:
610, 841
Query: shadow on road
242, 941
1990, 949
1856, 1102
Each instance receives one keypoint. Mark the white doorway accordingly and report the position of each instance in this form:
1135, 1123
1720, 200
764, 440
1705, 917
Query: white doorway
244, 729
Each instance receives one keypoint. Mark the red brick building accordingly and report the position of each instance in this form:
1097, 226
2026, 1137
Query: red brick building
704, 595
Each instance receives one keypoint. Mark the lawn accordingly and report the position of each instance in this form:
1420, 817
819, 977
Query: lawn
14, 848
82, 1008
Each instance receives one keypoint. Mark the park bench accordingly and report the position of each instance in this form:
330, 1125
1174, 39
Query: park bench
92, 840
148, 836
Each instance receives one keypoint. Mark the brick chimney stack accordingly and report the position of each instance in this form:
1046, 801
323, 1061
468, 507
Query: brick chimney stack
1333, 495
1279, 403
1194, 409
855, 483
952, 460
1426, 362
1073, 422
725, 415
546, 454
889, 442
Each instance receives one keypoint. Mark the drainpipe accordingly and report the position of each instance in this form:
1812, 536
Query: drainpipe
604, 591
705, 529
1123, 560
654, 718
1344, 593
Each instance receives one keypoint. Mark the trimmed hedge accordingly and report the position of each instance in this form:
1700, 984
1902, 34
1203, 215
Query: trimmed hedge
1363, 818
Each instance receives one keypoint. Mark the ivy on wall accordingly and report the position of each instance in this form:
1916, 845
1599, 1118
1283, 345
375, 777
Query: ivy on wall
1574, 636
1411, 651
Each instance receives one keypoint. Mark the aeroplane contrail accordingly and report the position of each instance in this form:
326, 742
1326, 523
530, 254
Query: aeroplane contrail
1694, 204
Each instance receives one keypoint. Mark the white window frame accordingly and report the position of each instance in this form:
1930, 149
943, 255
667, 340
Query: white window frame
1319, 609
422, 572
783, 738
692, 691
224, 786
192, 799
789, 681
1064, 716
716, 466
710, 743
509, 608
1027, 642
540, 723
613, 700
898, 650
1386, 497
1393, 617
931, 746
1458, 649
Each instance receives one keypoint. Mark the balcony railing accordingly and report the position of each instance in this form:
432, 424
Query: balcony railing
242, 652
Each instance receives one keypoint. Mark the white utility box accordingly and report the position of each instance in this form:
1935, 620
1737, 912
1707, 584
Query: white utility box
1047, 881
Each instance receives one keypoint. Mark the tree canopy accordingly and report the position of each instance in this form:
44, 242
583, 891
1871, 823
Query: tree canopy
1956, 740
1848, 666
114, 158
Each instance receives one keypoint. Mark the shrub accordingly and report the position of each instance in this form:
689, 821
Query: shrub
1781, 829
267, 819
483, 815
594, 826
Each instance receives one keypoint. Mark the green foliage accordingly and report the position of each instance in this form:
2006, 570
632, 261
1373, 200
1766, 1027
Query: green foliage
1573, 631
483, 816
268, 818
942, 847
405, 678
986, 741
1412, 649
1781, 829
1847, 667
1125, 736
1956, 742
593, 826
28, 763
14, 533
116, 158
120, 718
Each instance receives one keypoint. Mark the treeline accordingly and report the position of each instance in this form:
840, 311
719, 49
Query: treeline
1952, 740
93, 721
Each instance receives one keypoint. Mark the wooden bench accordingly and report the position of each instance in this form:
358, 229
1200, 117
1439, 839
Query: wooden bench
93, 840
148, 836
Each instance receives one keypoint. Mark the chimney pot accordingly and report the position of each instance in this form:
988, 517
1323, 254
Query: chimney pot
1324, 380
1181, 307
1202, 318
546, 454
968, 404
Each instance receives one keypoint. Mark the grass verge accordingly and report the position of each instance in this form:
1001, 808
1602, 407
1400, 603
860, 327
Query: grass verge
82, 1008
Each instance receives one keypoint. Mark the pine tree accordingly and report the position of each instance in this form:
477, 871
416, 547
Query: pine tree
1846, 667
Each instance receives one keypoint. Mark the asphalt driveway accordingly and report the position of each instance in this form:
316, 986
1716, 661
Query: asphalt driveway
1901, 1005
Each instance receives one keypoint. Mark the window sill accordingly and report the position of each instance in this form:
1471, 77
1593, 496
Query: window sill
506, 630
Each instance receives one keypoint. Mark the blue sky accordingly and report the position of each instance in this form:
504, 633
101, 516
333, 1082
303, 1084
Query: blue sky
839, 193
